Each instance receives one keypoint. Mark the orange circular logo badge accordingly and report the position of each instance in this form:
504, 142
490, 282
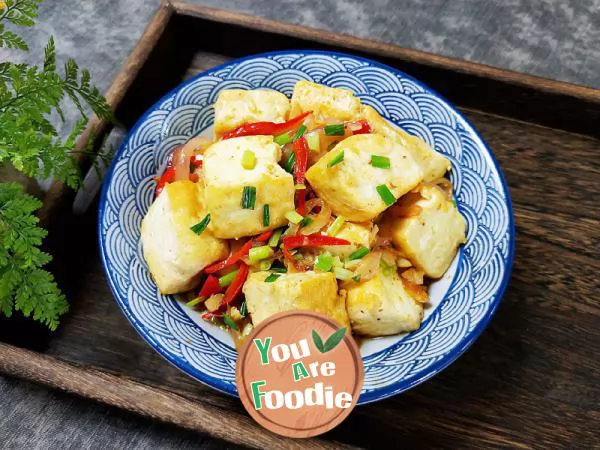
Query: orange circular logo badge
299, 374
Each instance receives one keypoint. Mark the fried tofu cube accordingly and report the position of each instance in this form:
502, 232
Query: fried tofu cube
359, 235
350, 187
225, 179
311, 291
326, 103
235, 107
430, 239
434, 164
174, 253
382, 305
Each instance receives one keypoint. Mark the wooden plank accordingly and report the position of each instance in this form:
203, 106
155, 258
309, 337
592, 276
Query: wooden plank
151, 402
548, 170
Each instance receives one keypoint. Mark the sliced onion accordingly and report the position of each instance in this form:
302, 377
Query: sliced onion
368, 266
292, 230
388, 257
373, 235
354, 126
181, 161
382, 241
213, 302
318, 221
403, 263
413, 275
197, 145
445, 185
416, 291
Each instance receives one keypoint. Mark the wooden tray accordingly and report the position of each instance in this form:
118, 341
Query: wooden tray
532, 379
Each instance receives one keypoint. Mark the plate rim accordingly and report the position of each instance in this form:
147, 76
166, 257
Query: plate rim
396, 387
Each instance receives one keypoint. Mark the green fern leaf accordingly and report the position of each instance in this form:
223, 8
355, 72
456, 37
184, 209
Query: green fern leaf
50, 56
30, 143
24, 285
9, 39
20, 12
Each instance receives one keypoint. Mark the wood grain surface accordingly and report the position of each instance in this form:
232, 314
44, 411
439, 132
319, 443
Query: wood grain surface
533, 377
145, 400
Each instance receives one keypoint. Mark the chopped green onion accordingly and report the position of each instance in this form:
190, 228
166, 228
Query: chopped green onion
243, 309
279, 269
265, 265
336, 159
335, 227
283, 139
342, 274
289, 163
358, 254
259, 253
274, 239
266, 216
454, 202
299, 133
248, 160
248, 197
272, 277
306, 222
230, 322
294, 217
337, 262
324, 263
386, 195
334, 130
356, 278
195, 302
299, 187
381, 162
313, 141
201, 226
226, 280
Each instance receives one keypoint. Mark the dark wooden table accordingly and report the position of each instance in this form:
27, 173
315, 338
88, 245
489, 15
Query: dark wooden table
533, 377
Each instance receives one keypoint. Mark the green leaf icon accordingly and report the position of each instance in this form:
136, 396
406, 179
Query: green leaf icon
318, 341
334, 340
331, 343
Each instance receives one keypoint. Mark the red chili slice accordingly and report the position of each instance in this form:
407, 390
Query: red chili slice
266, 128
301, 150
210, 287
265, 236
167, 177
235, 287
364, 127
243, 251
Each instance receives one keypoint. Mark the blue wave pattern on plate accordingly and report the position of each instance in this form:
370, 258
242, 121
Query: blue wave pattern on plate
483, 266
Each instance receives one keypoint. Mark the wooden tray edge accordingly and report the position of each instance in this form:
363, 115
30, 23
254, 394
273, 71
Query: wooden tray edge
380, 48
145, 400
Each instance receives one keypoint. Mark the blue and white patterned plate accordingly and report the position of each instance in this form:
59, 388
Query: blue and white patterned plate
463, 302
